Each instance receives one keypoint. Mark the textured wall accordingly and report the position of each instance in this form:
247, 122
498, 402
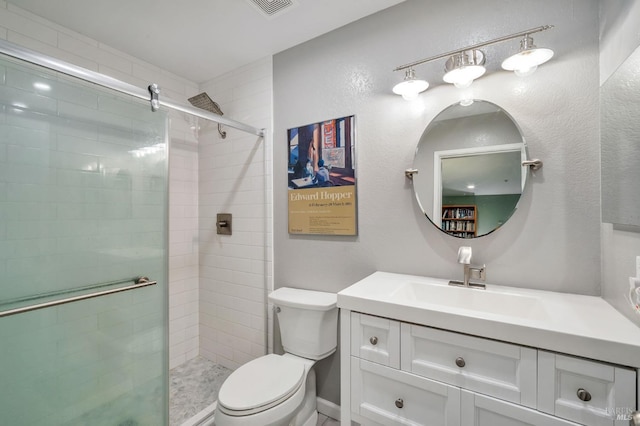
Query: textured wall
619, 34
552, 242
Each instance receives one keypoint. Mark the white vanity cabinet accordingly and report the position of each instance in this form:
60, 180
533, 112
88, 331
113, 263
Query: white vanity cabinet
398, 373
386, 396
481, 410
493, 368
585, 391
375, 339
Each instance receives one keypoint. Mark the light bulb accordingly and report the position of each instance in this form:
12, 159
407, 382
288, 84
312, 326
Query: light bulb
409, 96
462, 84
525, 72
464, 76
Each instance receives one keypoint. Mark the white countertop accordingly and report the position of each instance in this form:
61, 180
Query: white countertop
585, 326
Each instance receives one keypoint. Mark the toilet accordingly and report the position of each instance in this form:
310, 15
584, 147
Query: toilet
280, 390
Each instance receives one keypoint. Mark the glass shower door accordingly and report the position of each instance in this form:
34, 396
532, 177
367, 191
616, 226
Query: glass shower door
83, 209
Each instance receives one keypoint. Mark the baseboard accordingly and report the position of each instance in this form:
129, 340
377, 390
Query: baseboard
328, 408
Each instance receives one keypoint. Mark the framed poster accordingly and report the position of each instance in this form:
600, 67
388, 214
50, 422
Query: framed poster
322, 178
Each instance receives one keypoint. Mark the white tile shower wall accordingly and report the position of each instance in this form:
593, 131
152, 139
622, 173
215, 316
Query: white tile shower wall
33, 32
235, 177
183, 249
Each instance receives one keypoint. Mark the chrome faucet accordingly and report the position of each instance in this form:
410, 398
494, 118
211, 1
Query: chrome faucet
470, 272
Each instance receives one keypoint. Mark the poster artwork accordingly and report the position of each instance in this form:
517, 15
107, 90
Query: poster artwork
322, 180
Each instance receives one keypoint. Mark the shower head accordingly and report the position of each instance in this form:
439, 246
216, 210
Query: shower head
203, 101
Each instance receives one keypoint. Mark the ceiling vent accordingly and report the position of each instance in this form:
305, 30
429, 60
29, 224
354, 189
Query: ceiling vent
271, 8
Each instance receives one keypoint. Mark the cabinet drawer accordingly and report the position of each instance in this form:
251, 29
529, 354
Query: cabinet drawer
385, 396
497, 369
565, 382
481, 410
375, 339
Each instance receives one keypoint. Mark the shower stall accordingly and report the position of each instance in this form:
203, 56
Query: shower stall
83, 245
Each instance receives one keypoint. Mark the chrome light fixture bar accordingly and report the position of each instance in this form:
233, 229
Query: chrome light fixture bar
465, 65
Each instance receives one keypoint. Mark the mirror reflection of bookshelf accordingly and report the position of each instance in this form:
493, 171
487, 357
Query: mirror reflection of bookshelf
460, 220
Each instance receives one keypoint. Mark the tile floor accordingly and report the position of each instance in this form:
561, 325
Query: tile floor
193, 386
326, 421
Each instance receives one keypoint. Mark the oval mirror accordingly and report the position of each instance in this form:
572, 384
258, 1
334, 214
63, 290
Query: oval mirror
469, 175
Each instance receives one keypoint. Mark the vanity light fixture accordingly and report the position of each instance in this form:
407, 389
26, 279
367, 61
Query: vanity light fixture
465, 65
410, 88
526, 61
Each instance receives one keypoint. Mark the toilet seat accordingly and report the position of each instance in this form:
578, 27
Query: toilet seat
280, 377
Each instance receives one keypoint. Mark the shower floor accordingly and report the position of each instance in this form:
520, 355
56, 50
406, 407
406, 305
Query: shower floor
193, 386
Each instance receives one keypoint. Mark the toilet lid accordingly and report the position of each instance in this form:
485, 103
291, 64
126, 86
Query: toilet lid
261, 383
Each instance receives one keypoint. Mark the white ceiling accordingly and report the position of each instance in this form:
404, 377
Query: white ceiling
491, 174
200, 39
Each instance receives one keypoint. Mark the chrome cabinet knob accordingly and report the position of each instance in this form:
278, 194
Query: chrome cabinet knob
460, 362
373, 340
583, 395
399, 403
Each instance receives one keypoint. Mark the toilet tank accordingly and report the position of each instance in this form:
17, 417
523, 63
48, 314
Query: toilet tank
308, 321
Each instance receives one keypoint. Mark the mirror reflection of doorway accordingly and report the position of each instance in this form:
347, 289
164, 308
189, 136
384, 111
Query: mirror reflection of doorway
477, 189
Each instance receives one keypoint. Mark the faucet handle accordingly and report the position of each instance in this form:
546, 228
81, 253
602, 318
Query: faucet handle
464, 255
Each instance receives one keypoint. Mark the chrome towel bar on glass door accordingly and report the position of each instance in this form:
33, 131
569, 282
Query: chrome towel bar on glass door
138, 282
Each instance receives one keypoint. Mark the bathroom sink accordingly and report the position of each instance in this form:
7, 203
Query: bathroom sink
559, 322
496, 302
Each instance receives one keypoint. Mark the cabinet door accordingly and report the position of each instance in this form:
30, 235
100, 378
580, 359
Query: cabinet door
375, 339
588, 392
498, 369
385, 396
480, 410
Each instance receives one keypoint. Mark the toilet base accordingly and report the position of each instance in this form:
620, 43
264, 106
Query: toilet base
307, 415
313, 420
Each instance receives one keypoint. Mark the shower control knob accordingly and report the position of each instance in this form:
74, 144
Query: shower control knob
373, 340
583, 395
460, 362
399, 403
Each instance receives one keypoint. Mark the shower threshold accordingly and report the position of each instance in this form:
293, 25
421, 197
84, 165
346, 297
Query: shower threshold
203, 418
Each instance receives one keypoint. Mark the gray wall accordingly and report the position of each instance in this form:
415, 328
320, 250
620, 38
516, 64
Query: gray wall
553, 240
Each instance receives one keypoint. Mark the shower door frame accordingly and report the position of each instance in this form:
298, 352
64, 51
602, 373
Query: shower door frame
63, 67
